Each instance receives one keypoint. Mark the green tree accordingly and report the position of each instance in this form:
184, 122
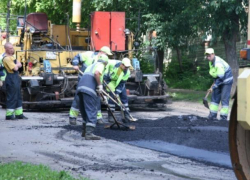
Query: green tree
175, 23
226, 19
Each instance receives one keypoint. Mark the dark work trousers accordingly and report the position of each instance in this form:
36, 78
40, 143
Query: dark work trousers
220, 94
123, 97
13, 94
74, 110
88, 108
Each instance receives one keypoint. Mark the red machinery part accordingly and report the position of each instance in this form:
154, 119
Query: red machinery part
30, 65
39, 21
107, 29
100, 30
117, 31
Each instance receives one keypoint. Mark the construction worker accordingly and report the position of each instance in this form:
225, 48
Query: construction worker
14, 108
116, 75
86, 59
2, 70
221, 89
90, 85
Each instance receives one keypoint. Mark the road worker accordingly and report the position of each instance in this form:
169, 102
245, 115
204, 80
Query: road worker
116, 75
14, 108
2, 70
221, 89
90, 85
85, 59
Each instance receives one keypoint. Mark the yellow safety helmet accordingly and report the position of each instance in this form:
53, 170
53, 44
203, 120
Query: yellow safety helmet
126, 62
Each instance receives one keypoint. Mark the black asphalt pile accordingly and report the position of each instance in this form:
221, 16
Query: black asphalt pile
191, 131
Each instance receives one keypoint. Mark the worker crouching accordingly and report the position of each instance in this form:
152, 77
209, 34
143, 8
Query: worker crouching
88, 88
116, 75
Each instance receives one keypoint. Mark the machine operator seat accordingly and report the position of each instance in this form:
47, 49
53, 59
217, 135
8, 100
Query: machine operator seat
39, 21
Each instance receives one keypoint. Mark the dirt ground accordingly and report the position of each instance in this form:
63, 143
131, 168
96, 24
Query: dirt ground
175, 144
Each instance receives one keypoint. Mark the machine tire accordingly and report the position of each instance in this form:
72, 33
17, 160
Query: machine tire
239, 144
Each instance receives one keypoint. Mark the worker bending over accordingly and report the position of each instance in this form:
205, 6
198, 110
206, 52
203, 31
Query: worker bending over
116, 75
85, 59
88, 88
221, 89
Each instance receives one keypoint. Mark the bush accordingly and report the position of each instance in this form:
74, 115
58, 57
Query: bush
192, 76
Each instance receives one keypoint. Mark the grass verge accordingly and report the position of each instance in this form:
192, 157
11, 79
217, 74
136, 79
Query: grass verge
189, 96
26, 171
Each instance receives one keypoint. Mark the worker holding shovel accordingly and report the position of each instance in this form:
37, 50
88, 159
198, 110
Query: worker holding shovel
116, 75
221, 89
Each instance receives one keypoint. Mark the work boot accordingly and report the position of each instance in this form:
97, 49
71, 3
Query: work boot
100, 121
72, 120
110, 118
21, 116
83, 130
212, 117
12, 117
223, 118
127, 117
89, 134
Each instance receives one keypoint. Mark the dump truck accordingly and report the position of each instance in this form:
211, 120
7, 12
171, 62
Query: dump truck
239, 124
46, 51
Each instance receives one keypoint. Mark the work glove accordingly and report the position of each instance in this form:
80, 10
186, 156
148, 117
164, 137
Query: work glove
99, 89
105, 100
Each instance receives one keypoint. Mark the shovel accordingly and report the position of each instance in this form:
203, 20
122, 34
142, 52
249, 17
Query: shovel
116, 123
123, 109
205, 102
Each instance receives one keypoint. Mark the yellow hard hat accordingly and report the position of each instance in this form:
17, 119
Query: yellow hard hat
106, 50
126, 62
103, 57
209, 51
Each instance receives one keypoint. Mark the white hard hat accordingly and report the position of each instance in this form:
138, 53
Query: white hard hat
126, 62
209, 51
106, 50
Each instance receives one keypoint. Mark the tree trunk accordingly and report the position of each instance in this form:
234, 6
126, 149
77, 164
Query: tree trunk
178, 51
8, 22
231, 55
159, 61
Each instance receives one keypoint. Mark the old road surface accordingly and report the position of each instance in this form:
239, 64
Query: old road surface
175, 144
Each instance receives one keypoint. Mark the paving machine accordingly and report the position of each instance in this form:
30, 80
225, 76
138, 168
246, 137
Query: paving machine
46, 51
239, 125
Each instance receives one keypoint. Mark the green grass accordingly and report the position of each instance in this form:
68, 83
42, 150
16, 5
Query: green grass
26, 171
193, 97
189, 96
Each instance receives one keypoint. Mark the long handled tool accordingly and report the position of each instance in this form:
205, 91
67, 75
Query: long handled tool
119, 101
205, 102
116, 123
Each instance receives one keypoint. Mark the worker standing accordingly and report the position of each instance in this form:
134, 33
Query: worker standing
116, 75
85, 59
221, 89
14, 108
88, 88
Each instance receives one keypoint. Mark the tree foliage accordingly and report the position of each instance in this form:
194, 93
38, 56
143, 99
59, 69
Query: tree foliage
178, 23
